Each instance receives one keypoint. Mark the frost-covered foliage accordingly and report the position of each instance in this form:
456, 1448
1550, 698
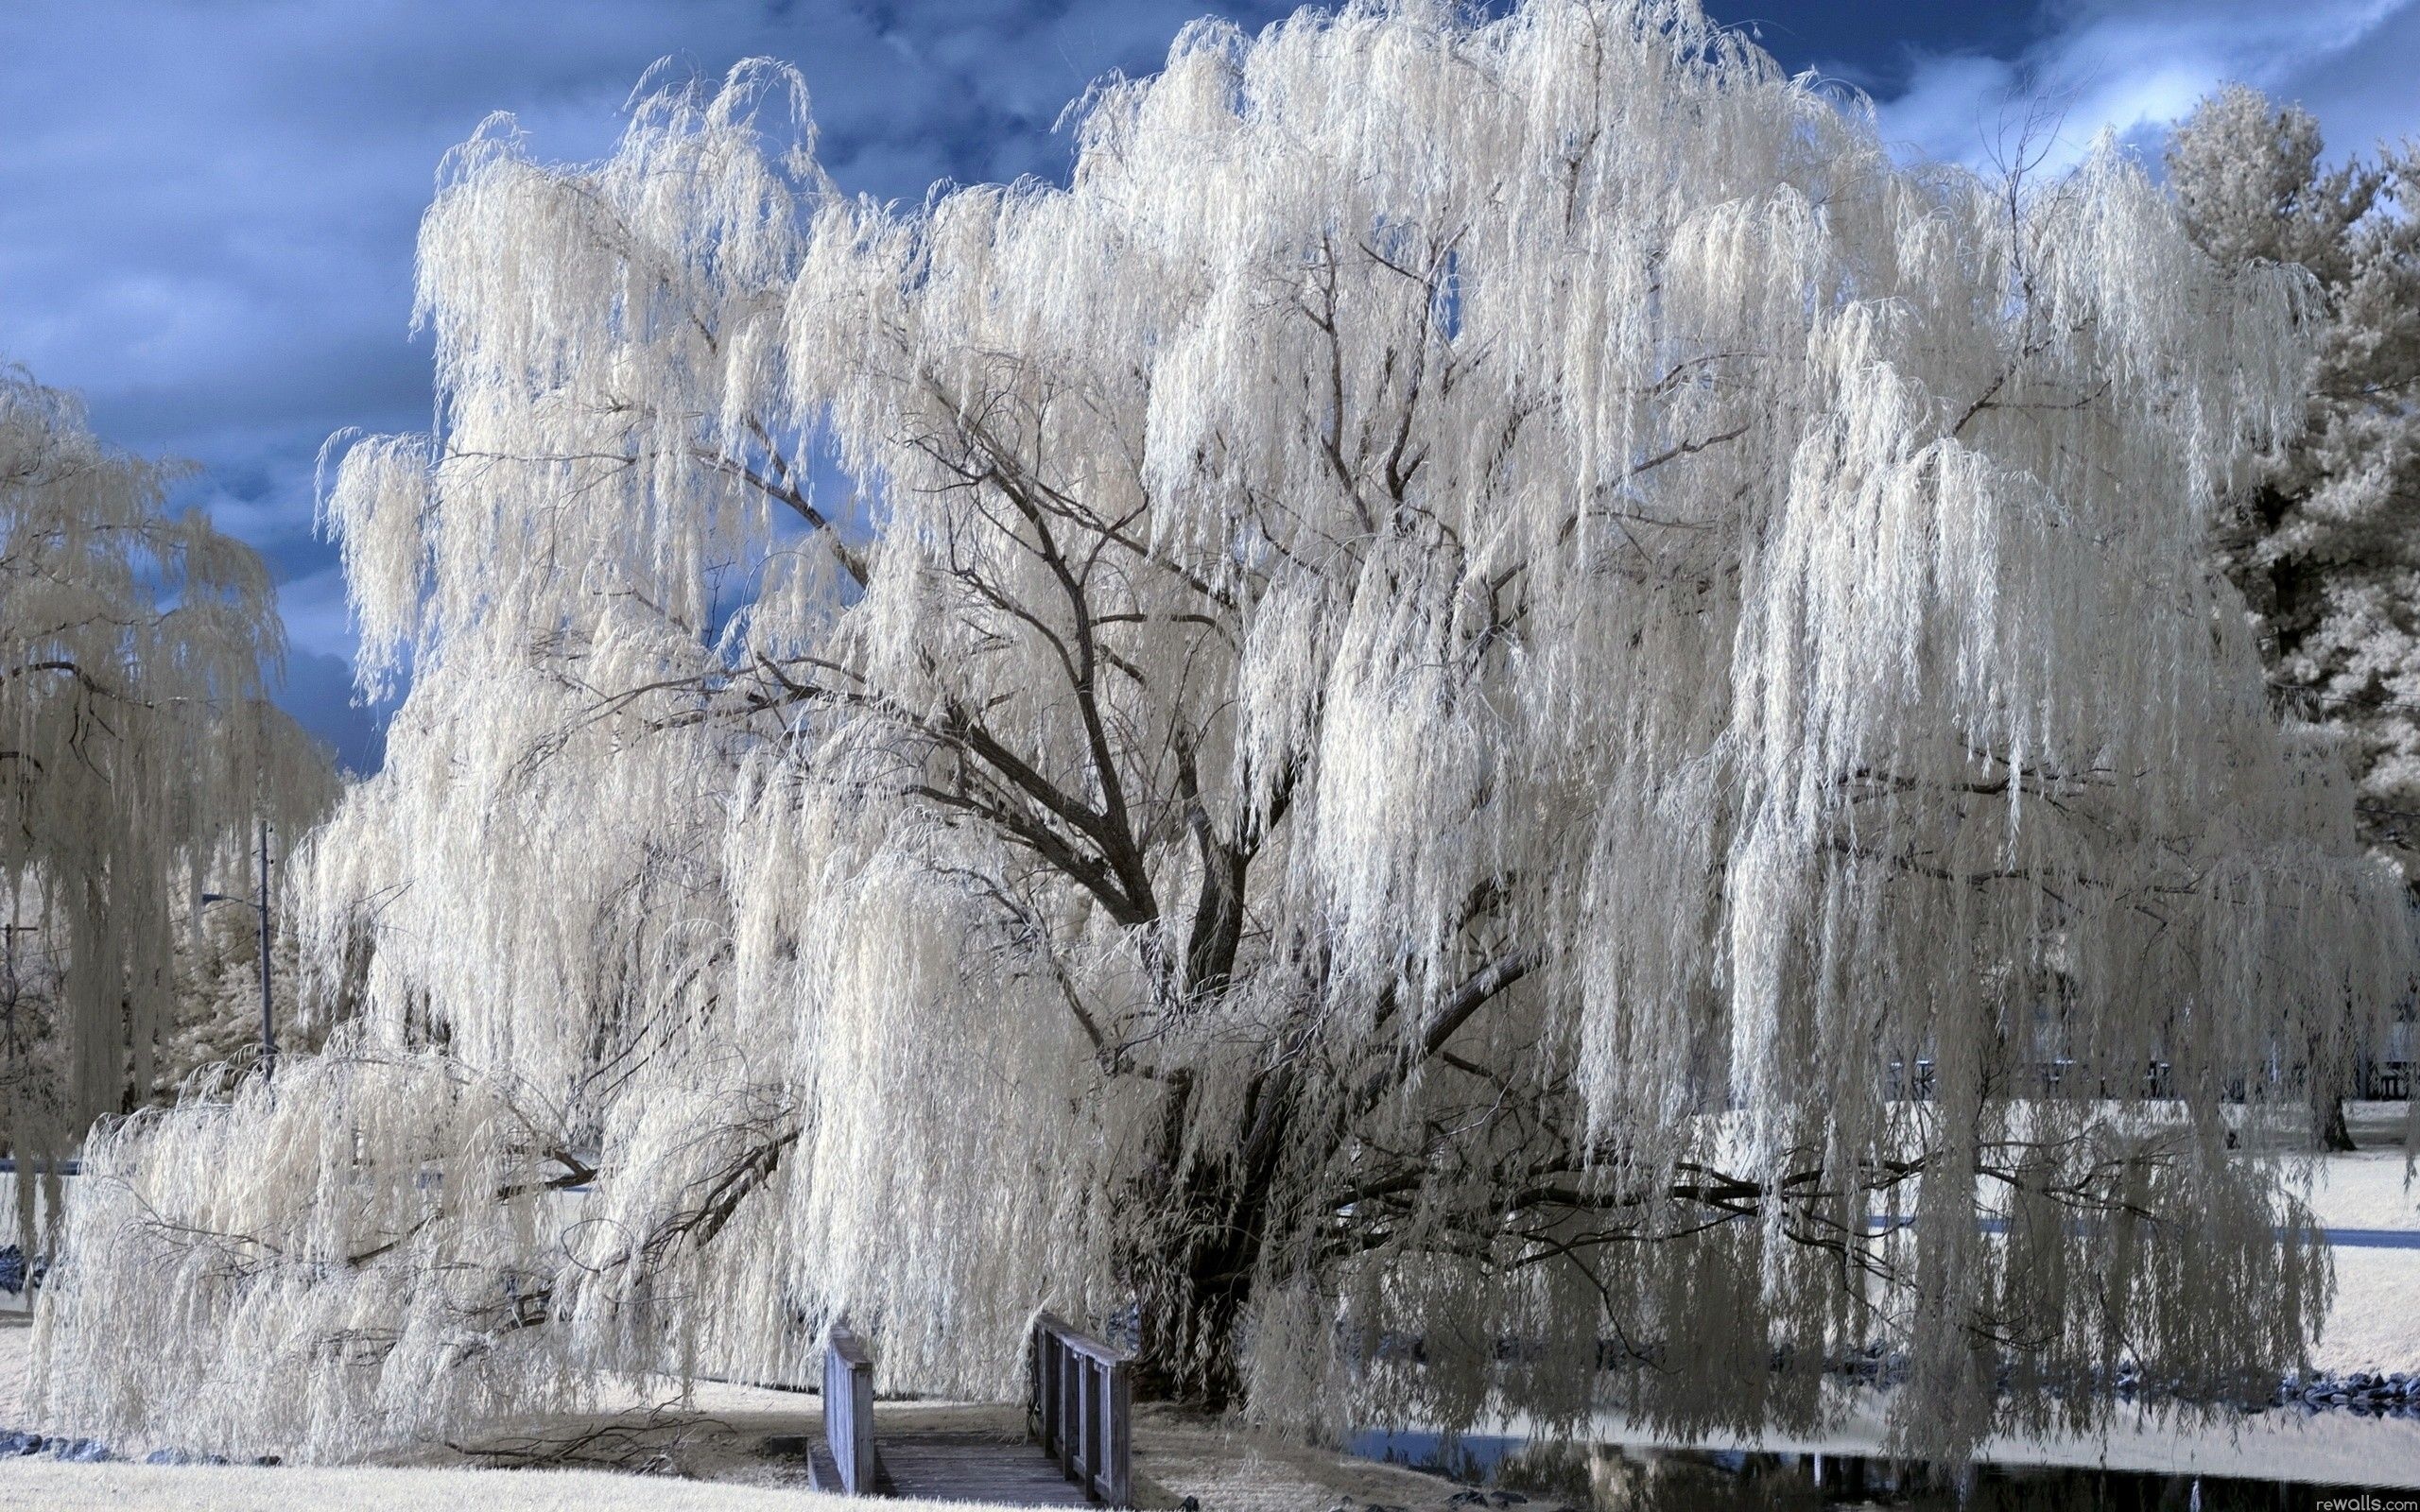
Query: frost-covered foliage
135, 748
1407, 718
2325, 540
216, 1019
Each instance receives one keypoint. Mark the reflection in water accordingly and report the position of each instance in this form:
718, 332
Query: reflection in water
1613, 1478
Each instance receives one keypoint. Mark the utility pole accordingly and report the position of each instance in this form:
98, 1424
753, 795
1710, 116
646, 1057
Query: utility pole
259, 904
269, 1023
8, 984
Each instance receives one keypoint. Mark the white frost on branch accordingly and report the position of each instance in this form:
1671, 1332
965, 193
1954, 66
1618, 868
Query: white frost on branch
136, 753
2324, 539
1435, 682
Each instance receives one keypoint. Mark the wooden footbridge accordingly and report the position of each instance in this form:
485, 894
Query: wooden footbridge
1078, 1450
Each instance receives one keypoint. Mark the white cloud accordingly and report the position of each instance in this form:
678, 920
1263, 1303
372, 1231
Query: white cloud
2133, 67
207, 209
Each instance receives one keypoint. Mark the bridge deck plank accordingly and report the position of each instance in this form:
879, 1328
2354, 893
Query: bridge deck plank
967, 1466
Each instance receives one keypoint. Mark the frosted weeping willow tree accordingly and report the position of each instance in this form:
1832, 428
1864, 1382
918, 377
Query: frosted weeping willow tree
137, 754
1492, 725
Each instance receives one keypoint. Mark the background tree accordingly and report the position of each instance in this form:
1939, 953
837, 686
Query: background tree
2323, 540
134, 747
217, 1013
1394, 719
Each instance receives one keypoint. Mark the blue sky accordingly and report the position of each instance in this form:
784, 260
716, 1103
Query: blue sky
207, 206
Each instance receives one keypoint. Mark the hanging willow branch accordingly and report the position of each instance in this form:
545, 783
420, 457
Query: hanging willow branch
1425, 694
137, 754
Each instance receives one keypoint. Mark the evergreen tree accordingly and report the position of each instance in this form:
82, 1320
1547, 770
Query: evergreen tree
2323, 540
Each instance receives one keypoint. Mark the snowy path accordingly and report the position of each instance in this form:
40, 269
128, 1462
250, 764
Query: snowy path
2373, 1239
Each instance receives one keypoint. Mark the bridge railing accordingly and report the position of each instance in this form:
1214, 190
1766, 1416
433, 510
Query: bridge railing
1080, 1409
848, 1410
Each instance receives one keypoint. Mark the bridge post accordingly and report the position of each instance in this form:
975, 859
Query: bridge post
848, 1410
1081, 1410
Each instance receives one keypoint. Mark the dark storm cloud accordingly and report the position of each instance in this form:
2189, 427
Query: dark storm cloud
207, 207
317, 690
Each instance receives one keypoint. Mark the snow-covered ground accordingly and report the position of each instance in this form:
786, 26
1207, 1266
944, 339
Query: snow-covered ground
53, 1487
14, 1336
720, 1431
2373, 1325
2331, 1448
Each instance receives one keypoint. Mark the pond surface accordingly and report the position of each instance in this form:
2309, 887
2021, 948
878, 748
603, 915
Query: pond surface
1619, 1478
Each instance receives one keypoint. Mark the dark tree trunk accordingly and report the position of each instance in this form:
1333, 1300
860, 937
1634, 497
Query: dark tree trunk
1188, 1325
2326, 1080
2328, 1130
1193, 1284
